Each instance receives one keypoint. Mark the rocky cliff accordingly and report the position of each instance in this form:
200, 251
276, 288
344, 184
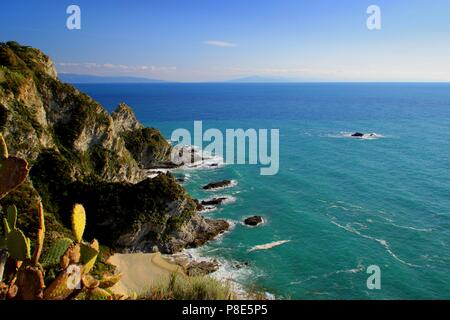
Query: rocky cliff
78, 152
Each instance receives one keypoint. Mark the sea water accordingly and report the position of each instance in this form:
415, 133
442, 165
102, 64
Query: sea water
338, 204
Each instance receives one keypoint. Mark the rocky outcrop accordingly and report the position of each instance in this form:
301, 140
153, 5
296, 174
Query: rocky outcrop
197, 268
218, 185
357, 134
146, 145
125, 120
79, 153
254, 221
213, 201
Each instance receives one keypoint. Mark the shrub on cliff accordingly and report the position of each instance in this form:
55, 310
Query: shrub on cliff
178, 287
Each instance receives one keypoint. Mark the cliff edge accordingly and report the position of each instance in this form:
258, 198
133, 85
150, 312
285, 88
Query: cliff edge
79, 153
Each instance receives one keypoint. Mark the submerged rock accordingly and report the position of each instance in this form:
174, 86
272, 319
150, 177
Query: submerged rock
254, 221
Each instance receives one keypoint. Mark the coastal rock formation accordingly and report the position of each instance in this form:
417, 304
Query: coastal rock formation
79, 153
254, 221
213, 201
197, 268
147, 146
217, 185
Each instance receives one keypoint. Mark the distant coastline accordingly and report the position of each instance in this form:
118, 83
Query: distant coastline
85, 78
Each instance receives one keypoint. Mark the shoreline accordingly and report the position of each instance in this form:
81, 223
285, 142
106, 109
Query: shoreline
228, 272
141, 271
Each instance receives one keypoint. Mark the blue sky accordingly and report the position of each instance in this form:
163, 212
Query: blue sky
210, 40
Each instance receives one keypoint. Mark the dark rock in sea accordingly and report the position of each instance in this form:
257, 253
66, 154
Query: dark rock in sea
254, 221
241, 265
213, 202
358, 134
216, 185
197, 268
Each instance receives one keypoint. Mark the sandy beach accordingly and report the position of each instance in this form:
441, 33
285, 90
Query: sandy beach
141, 271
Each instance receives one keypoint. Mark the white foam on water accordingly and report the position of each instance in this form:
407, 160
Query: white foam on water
268, 246
209, 208
234, 273
366, 136
202, 159
359, 268
382, 242
410, 228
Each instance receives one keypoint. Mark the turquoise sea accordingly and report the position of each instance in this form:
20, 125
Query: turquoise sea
343, 203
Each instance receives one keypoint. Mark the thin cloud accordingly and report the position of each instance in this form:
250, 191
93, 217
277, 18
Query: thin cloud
118, 67
220, 44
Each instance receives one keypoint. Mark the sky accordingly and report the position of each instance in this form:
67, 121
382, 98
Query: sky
216, 40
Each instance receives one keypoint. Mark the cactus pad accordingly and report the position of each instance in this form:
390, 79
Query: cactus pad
13, 172
63, 285
6, 227
3, 148
18, 245
12, 217
30, 282
99, 294
89, 255
71, 256
53, 256
40, 236
108, 282
78, 222
89, 282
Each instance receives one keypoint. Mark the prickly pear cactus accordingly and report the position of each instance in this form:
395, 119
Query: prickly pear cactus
30, 282
11, 217
108, 282
99, 294
89, 255
6, 226
13, 170
40, 236
78, 222
71, 256
6, 230
64, 284
18, 245
53, 256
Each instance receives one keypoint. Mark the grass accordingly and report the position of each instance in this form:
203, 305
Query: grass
178, 287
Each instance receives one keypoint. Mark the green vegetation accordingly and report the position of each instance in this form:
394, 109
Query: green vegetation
178, 287
147, 141
76, 154
22, 276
